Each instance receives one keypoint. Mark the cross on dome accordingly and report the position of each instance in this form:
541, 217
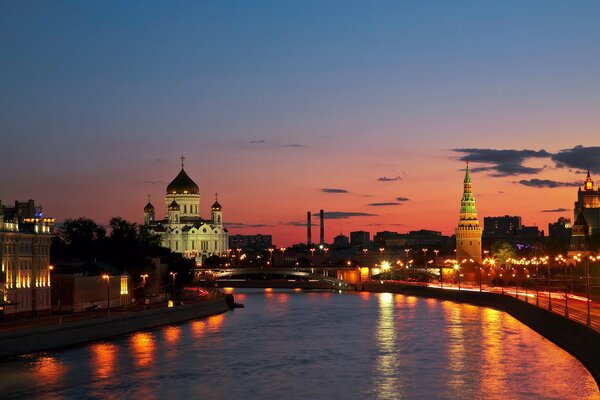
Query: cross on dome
182, 158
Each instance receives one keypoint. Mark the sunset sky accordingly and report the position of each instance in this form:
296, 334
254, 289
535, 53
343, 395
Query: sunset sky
365, 109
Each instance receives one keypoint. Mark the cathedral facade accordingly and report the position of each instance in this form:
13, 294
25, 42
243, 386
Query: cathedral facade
183, 230
468, 232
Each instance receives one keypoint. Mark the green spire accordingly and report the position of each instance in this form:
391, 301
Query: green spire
468, 210
467, 174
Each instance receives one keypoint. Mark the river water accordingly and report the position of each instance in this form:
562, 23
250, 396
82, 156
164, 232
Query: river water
314, 345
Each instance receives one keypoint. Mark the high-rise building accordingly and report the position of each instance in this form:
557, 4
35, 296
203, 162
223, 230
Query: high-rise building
561, 229
25, 236
251, 242
501, 227
588, 204
360, 238
183, 230
468, 232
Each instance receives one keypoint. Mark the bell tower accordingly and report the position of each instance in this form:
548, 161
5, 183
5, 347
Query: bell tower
148, 213
217, 212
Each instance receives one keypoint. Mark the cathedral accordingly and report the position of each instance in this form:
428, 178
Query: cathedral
183, 230
468, 232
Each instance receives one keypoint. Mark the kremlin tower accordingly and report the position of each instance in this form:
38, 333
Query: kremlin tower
468, 232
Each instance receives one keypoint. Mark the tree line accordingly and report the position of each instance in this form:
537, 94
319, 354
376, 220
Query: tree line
123, 244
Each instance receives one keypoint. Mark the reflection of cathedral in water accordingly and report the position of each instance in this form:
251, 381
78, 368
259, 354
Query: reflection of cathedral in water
183, 230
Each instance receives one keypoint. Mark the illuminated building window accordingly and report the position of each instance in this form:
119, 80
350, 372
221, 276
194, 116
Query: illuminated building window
124, 285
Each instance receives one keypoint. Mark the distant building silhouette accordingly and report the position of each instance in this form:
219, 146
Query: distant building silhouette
257, 242
341, 241
561, 229
501, 227
360, 238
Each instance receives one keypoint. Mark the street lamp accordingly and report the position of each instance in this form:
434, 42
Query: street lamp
385, 266
457, 269
424, 257
144, 277
548, 280
50, 269
271, 254
173, 275
312, 251
107, 278
587, 288
436, 251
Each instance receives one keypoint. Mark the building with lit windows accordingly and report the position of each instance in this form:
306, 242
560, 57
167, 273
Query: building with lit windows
588, 204
561, 229
468, 232
80, 286
25, 236
182, 229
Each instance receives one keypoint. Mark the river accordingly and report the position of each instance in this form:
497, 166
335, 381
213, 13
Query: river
314, 345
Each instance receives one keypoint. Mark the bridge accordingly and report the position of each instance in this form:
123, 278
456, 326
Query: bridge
314, 276
317, 277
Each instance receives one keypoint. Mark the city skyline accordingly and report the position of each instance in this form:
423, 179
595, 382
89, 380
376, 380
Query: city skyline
280, 112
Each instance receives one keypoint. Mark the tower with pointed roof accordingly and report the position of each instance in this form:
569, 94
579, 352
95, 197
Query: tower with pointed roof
580, 237
149, 215
588, 204
183, 230
216, 212
468, 232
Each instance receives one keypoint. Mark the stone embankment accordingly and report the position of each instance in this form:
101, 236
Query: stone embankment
582, 342
47, 337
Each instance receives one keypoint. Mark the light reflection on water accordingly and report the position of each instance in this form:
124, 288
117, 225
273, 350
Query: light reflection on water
314, 345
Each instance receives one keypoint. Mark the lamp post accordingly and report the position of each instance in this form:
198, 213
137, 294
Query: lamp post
514, 274
50, 269
144, 277
537, 284
424, 257
457, 269
548, 279
173, 275
587, 288
566, 288
107, 278
436, 251
526, 273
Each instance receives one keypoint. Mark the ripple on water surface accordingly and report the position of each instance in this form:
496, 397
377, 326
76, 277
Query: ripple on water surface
314, 345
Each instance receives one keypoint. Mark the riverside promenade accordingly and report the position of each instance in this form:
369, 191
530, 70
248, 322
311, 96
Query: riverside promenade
44, 334
579, 340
